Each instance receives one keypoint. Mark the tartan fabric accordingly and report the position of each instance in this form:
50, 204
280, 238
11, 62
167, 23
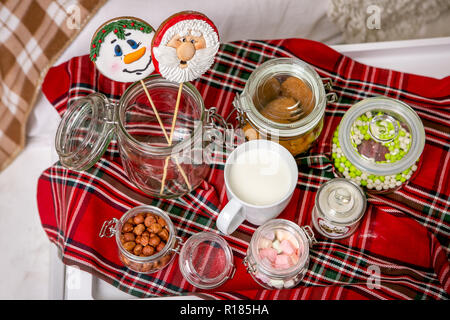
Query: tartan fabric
33, 33
399, 251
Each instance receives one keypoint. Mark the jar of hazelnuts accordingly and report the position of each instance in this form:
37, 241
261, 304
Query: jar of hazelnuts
284, 100
145, 237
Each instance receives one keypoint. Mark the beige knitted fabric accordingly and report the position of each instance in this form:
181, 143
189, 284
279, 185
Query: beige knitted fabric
385, 20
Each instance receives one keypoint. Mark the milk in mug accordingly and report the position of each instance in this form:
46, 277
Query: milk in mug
260, 177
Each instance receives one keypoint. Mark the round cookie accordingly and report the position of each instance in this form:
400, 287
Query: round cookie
184, 46
295, 88
121, 49
280, 109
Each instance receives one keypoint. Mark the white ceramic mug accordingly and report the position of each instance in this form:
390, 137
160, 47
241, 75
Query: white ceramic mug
237, 210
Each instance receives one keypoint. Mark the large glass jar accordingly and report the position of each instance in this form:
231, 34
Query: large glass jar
378, 144
154, 166
283, 100
278, 254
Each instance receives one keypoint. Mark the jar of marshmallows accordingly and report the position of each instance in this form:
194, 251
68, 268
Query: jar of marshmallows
278, 254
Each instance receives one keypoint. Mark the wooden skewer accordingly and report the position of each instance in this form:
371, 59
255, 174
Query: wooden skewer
169, 139
154, 110
174, 120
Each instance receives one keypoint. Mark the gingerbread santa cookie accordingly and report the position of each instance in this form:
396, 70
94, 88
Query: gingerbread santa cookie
121, 49
184, 46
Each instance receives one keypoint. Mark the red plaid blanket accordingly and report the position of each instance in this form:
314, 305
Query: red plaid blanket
400, 250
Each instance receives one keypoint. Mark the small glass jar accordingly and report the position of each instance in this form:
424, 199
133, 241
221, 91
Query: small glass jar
286, 266
284, 100
378, 144
90, 123
206, 260
143, 264
339, 206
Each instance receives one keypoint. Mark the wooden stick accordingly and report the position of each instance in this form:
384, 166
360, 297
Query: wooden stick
174, 120
154, 110
169, 139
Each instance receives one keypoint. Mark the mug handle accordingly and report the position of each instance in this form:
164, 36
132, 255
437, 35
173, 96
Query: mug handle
231, 217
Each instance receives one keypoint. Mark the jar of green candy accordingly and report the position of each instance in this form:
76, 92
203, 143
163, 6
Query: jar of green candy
378, 144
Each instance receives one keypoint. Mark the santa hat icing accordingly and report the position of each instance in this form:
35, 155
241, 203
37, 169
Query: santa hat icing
121, 49
183, 24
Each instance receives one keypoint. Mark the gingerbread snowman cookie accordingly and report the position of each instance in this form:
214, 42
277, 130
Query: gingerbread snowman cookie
184, 46
121, 49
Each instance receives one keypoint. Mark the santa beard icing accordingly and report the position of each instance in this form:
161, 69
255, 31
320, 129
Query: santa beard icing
205, 44
169, 64
126, 60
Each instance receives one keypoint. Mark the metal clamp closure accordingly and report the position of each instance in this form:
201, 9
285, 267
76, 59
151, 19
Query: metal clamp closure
310, 235
179, 245
108, 228
237, 107
328, 85
250, 267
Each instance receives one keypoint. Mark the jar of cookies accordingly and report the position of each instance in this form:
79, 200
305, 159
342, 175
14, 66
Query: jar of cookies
145, 237
278, 254
283, 100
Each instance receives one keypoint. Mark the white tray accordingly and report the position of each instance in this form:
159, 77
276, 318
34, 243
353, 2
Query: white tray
428, 57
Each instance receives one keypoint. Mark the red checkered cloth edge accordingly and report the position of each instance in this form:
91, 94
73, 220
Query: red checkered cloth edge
399, 251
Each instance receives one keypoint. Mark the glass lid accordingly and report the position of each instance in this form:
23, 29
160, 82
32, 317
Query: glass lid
341, 201
382, 136
286, 95
85, 131
206, 260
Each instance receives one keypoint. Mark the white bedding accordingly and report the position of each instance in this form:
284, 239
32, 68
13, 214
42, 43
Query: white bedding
27, 261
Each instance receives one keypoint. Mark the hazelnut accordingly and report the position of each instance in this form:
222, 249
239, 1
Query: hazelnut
155, 228
139, 229
145, 239
163, 234
162, 222
154, 241
139, 218
127, 227
149, 220
138, 249
160, 246
148, 251
129, 236
129, 246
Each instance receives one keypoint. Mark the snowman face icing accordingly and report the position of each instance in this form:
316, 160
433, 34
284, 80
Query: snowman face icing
122, 50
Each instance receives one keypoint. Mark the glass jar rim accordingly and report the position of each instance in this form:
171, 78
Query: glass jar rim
270, 271
154, 210
294, 67
157, 79
186, 255
391, 106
